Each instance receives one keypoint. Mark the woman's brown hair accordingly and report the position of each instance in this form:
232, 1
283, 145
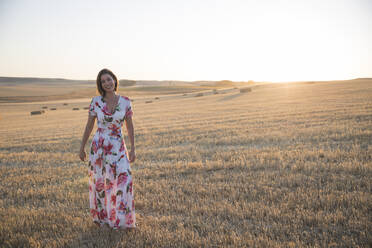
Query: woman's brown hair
99, 84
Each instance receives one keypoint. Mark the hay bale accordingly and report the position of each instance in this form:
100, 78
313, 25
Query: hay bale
86, 107
53, 108
44, 107
65, 104
245, 90
157, 98
148, 101
75, 109
199, 94
37, 112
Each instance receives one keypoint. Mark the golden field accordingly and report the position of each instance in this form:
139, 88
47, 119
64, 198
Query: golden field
285, 165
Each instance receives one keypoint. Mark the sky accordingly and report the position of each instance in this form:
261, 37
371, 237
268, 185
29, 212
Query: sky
239, 40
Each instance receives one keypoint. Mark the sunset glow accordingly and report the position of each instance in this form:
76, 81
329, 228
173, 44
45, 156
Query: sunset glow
187, 40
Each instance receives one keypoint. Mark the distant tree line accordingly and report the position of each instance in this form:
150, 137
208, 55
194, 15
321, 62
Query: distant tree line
126, 82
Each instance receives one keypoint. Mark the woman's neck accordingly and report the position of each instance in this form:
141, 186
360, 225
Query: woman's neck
110, 95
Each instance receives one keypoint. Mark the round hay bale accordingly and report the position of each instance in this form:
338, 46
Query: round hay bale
86, 107
245, 90
75, 109
44, 107
53, 108
199, 94
156, 98
37, 112
148, 101
65, 104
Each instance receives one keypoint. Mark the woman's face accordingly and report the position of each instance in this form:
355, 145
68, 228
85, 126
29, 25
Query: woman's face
107, 82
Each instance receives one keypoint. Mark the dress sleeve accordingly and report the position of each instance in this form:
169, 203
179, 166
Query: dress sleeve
128, 109
92, 108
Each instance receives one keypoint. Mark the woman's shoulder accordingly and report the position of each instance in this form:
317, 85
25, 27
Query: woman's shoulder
96, 98
125, 98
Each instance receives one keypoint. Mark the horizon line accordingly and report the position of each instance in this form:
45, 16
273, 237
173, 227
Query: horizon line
167, 80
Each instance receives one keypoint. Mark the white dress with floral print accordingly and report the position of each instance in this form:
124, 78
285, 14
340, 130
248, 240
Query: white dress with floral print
110, 179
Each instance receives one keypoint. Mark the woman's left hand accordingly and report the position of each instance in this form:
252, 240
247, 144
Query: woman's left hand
132, 156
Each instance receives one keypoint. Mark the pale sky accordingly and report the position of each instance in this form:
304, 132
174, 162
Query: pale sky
240, 40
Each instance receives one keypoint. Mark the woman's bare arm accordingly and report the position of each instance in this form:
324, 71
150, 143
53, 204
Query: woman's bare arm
88, 129
130, 129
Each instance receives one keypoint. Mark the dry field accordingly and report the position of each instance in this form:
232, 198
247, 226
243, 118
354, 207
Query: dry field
285, 165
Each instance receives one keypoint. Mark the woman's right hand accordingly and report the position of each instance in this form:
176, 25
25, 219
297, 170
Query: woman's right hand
82, 155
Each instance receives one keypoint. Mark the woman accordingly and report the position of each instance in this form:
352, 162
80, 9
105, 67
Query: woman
110, 179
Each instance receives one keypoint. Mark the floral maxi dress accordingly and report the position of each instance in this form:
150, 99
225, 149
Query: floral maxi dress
110, 179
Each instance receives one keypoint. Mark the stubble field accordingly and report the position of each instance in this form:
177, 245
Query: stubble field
285, 165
